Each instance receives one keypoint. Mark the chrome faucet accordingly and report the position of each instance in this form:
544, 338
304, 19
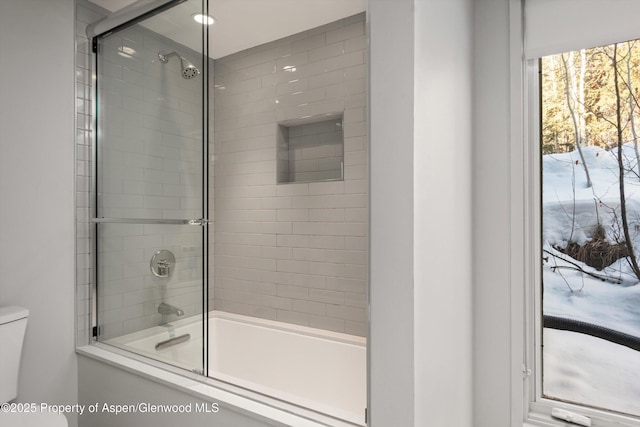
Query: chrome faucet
165, 309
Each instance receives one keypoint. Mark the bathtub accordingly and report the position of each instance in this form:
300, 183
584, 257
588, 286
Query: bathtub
316, 369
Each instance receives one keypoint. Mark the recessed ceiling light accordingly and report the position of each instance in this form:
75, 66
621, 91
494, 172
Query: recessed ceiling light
203, 19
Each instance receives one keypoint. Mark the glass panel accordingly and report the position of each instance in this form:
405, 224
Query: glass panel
150, 291
150, 151
150, 122
591, 227
291, 210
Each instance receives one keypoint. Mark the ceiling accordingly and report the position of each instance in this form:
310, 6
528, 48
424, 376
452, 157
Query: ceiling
241, 24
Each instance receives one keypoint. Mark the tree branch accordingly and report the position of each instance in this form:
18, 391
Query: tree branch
577, 267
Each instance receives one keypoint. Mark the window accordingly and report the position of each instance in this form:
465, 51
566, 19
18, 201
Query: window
582, 305
587, 293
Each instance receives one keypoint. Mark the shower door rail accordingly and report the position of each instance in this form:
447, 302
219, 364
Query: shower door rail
196, 221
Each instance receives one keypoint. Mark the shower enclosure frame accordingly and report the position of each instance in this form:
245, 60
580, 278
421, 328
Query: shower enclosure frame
127, 17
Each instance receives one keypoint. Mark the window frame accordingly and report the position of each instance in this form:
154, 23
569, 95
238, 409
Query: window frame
537, 409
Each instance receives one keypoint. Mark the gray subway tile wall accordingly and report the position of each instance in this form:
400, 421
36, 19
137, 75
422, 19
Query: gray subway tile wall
86, 13
296, 252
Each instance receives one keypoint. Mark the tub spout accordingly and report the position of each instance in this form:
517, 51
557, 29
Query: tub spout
169, 309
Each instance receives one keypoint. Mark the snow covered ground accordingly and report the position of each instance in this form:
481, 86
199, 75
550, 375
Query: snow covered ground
578, 367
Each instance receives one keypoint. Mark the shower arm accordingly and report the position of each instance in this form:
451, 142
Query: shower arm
164, 57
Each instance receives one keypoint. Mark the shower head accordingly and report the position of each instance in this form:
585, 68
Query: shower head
189, 70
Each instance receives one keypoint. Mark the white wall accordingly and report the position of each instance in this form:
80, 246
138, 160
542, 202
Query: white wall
442, 212
36, 190
421, 288
391, 94
495, 262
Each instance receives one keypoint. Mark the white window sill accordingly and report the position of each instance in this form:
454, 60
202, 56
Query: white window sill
542, 419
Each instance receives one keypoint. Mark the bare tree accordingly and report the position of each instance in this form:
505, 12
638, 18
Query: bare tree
575, 121
623, 203
581, 97
632, 109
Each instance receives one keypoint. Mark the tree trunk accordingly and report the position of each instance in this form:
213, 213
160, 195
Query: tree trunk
632, 110
623, 202
581, 97
575, 122
552, 70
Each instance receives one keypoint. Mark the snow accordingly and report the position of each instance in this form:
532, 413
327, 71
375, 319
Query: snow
578, 367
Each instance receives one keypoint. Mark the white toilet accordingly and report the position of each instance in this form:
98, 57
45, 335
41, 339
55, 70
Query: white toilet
13, 324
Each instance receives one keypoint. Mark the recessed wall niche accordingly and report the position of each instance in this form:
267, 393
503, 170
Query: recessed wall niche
310, 151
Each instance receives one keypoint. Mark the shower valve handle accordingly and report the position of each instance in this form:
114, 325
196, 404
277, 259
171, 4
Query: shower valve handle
162, 264
163, 267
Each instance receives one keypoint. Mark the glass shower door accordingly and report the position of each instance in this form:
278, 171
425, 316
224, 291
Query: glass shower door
150, 186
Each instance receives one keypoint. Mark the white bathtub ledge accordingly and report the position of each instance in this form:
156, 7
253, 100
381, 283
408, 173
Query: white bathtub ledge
203, 391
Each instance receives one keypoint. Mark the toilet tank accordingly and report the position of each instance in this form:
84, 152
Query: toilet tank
13, 323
